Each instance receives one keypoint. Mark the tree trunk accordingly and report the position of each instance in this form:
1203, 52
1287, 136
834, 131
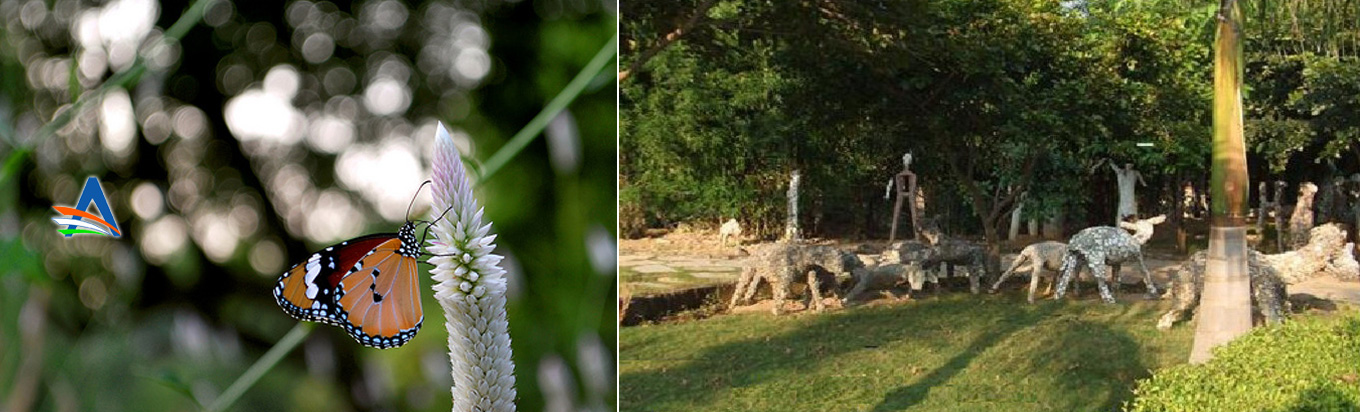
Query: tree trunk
992, 234
1225, 306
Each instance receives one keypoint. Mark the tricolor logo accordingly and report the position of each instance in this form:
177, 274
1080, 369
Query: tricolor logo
92, 193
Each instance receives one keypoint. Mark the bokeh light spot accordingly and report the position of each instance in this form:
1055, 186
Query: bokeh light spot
473, 64
318, 47
190, 122
266, 257
330, 134
147, 201
117, 127
386, 96
216, 235
218, 13
162, 238
93, 293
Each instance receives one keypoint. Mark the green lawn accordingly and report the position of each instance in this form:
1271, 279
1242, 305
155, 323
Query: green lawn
956, 352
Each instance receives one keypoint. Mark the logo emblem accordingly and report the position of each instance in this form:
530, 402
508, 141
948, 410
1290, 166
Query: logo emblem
92, 193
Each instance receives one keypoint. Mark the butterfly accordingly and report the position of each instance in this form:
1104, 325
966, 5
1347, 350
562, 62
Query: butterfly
366, 285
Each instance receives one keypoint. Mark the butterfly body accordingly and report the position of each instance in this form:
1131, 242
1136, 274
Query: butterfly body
366, 285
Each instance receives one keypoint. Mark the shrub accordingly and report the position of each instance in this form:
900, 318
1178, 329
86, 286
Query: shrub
632, 218
1305, 365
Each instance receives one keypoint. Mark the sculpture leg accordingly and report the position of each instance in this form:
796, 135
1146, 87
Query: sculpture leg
754, 284
1184, 298
1034, 283
742, 283
861, 283
780, 286
1052, 280
1098, 271
814, 290
975, 277
1069, 268
1009, 271
1114, 278
1076, 281
1147, 280
1269, 301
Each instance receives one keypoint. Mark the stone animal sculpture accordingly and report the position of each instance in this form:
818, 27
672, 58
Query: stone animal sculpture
1096, 247
1269, 299
729, 230
1326, 252
881, 277
783, 265
1325, 244
911, 253
1344, 266
954, 253
1037, 259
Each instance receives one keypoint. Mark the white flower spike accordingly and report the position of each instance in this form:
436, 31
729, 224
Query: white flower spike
470, 286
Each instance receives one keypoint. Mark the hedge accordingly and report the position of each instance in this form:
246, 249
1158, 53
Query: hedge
1310, 364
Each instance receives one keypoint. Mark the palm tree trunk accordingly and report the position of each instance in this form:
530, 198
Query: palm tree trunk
1225, 307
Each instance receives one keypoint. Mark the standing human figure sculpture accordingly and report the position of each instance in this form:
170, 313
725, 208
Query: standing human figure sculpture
1188, 198
906, 192
1125, 178
1302, 220
1263, 205
791, 230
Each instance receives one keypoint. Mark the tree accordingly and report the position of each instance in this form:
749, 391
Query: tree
692, 19
1225, 308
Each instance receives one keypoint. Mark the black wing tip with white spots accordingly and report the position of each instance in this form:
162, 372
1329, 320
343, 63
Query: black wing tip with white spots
333, 319
383, 342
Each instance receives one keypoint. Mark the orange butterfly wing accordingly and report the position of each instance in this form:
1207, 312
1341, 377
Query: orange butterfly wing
306, 290
381, 298
367, 285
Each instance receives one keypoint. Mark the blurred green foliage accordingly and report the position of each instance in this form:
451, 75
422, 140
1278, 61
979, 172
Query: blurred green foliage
213, 209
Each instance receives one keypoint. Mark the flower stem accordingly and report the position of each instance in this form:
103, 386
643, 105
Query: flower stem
266, 362
555, 106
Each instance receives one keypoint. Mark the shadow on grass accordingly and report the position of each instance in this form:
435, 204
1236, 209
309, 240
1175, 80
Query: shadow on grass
913, 394
699, 379
1091, 361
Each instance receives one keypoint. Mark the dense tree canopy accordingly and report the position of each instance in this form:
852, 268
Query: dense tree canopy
995, 97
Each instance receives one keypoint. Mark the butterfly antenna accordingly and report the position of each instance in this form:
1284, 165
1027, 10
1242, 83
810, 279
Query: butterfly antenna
426, 234
413, 200
441, 215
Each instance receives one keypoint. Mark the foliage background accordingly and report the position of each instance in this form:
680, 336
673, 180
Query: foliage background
993, 97
214, 206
